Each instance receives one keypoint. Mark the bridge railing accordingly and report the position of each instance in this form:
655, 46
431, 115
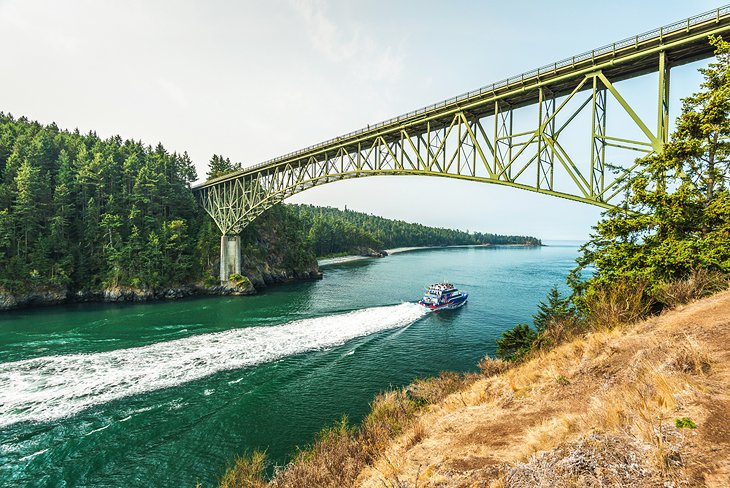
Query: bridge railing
548, 69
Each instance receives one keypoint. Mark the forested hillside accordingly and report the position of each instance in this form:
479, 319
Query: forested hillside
333, 231
81, 212
81, 215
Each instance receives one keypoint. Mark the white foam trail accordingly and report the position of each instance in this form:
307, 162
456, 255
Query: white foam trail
99, 429
32, 455
52, 387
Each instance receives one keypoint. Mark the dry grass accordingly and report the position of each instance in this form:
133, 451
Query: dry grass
598, 410
340, 453
690, 357
700, 283
620, 303
247, 471
333, 461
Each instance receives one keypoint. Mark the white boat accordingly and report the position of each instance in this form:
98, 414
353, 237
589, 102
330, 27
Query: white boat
443, 296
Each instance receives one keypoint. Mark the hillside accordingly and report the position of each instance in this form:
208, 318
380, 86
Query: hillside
642, 405
90, 219
598, 411
332, 231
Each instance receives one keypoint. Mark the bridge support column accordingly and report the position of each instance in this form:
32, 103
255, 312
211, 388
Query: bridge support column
663, 115
230, 256
598, 139
546, 139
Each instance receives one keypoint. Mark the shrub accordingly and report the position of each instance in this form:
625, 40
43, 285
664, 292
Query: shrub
622, 302
433, 390
515, 343
240, 281
685, 423
699, 283
493, 366
247, 471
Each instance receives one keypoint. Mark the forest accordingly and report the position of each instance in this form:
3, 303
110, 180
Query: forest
333, 231
82, 213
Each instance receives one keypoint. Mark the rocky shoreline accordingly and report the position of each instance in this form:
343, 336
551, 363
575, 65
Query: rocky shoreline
50, 297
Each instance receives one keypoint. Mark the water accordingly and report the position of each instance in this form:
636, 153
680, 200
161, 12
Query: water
167, 394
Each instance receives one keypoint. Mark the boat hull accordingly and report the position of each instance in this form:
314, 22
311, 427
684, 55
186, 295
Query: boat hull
456, 302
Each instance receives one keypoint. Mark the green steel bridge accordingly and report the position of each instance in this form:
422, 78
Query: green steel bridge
474, 136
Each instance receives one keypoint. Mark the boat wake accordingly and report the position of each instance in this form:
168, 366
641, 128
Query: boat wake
51, 387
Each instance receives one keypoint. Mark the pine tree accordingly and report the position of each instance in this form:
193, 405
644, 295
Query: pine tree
516, 342
220, 166
27, 205
677, 217
555, 310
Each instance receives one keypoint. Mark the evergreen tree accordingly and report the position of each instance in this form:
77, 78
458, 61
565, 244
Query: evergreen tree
78, 212
516, 342
556, 309
677, 217
220, 166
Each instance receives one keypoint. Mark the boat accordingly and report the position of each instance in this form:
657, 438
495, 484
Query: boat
443, 296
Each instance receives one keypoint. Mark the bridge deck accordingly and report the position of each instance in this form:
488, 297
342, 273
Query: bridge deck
683, 42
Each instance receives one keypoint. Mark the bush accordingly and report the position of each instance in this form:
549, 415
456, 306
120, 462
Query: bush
433, 390
247, 471
699, 283
240, 281
515, 343
622, 302
334, 460
493, 366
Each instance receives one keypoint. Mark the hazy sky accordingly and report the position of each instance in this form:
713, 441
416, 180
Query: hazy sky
255, 80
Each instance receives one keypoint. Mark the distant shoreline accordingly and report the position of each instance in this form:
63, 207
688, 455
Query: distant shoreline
399, 250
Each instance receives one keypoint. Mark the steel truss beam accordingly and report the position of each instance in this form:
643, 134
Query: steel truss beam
450, 140
460, 149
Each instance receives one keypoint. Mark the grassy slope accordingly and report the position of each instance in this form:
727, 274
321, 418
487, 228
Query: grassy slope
597, 411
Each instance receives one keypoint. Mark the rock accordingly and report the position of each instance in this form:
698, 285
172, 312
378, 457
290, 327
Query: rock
7, 301
10, 301
371, 253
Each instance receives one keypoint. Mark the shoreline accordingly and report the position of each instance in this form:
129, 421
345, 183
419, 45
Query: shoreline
119, 295
399, 250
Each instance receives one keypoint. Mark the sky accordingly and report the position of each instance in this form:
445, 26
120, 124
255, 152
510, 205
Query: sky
256, 80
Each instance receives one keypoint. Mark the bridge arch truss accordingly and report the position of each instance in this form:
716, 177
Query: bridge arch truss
474, 136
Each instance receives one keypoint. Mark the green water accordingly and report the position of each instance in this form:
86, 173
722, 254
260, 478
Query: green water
166, 394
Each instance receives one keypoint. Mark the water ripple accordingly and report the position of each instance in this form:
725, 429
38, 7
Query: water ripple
52, 387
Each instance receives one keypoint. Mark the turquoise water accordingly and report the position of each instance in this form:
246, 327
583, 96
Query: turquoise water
166, 394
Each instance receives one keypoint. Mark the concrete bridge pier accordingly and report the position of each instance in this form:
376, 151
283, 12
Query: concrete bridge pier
230, 256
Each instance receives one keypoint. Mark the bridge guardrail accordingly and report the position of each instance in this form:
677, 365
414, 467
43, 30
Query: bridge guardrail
635, 41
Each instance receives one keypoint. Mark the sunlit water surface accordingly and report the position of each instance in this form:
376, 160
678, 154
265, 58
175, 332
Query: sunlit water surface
167, 394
